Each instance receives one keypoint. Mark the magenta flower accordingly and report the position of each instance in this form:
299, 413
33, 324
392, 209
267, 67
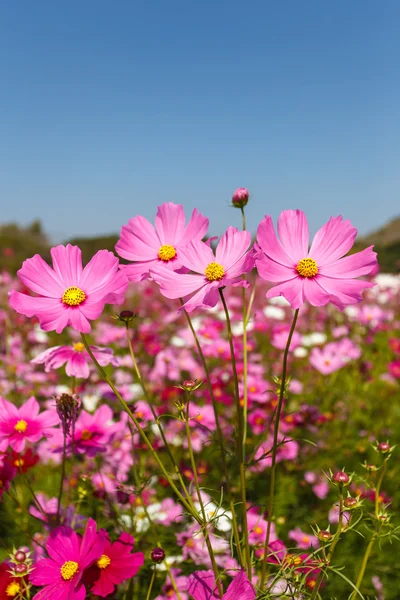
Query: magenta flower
202, 586
319, 275
230, 262
18, 425
116, 564
147, 246
70, 555
76, 358
67, 293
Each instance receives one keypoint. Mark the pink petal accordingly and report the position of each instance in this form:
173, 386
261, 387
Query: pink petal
196, 229
138, 241
202, 586
292, 290
270, 244
30, 409
46, 571
355, 265
140, 270
196, 256
36, 274
314, 293
206, 297
293, 232
8, 410
272, 271
170, 223
343, 292
332, 241
232, 246
67, 263
175, 285
50, 311
77, 367
240, 588
77, 320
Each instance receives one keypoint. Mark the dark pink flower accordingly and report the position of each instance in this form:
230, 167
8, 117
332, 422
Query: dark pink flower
67, 293
319, 275
69, 556
18, 425
147, 246
116, 564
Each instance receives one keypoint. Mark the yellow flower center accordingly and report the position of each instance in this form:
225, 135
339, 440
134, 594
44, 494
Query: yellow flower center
73, 296
79, 347
258, 530
21, 426
293, 560
13, 589
19, 462
103, 561
86, 434
69, 569
307, 267
166, 253
214, 271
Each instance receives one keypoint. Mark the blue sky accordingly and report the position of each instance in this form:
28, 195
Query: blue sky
108, 109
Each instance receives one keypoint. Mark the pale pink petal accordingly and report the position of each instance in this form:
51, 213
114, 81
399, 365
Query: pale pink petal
36, 274
332, 241
138, 241
202, 586
97, 272
207, 296
92, 310
174, 285
355, 265
67, 263
272, 271
77, 366
196, 229
196, 256
232, 246
343, 292
314, 293
292, 290
270, 245
293, 232
140, 270
170, 223
49, 311
242, 266
78, 321
45, 356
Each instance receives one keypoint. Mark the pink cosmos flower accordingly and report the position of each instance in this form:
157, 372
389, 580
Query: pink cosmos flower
76, 358
67, 293
70, 555
18, 425
303, 540
319, 275
147, 246
230, 262
202, 586
116, 564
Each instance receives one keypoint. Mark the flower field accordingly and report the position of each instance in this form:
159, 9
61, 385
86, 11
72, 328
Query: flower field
201, 420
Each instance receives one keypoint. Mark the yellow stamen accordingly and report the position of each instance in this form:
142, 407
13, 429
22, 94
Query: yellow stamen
214, 271
79, 347
13, 589
258, 530
21, 426
166, 253
307, 267
19, 462
69, 569
73, 296
293, 560
86, 435
103, 561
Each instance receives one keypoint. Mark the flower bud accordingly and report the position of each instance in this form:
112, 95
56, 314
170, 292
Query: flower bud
324, 536
384, 447
127, 316
20, 556
341, 477
21, 568
350, 502
157, 555
240, 197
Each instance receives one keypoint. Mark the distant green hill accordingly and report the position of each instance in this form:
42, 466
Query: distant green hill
18, 243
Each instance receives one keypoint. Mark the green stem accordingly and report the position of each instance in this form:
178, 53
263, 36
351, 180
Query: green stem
219, 434
142, 433
153, 412
240, 453
243, 218
153, 577
331, 549
200, 499
275, 445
